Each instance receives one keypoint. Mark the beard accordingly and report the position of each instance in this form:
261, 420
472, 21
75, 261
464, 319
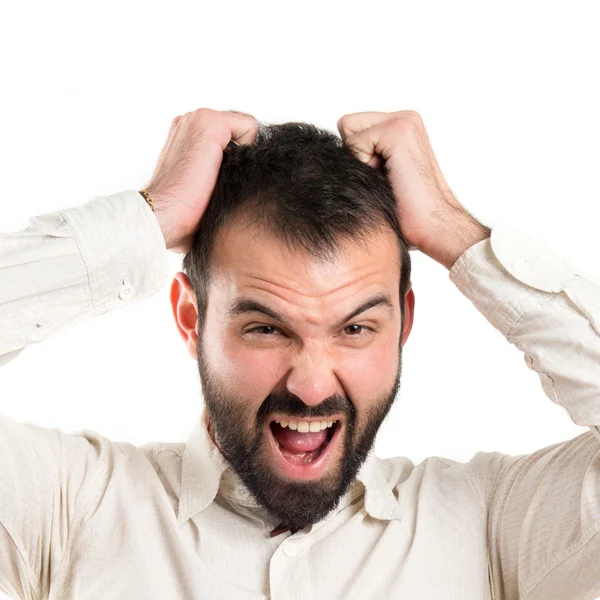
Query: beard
293, 503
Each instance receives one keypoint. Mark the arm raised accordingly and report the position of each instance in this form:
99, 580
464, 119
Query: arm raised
543, 509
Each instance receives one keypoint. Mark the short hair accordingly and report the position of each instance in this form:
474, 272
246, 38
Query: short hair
303, 185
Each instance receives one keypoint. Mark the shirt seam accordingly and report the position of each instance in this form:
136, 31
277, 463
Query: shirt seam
34, 295
167, 450
573, 549
81, 253
520, 463
14, 538
76, 513
546, 297
33, 262
155, 456
16, 541
474, 480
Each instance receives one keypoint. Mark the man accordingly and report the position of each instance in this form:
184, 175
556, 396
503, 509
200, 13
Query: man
296, 302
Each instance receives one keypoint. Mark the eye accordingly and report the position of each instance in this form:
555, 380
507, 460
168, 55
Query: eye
354, 331
364, 328
262, 327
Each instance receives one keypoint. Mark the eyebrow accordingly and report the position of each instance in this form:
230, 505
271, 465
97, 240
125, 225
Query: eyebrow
246, 305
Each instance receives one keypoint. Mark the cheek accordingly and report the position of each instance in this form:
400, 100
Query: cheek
368, 375
252, 372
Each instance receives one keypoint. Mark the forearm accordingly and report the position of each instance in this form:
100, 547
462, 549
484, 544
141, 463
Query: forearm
67, 266
451, 235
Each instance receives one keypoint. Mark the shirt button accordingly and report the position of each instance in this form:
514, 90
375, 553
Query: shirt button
290, 550
125, 292
522, 266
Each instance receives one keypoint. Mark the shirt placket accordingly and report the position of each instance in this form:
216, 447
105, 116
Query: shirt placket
289, 570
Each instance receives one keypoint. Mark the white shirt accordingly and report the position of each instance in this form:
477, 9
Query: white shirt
83, 517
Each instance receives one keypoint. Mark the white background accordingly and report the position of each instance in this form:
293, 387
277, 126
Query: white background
509, 98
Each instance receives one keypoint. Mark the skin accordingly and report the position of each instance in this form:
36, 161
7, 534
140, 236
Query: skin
308, 360
351, 373
431, 218
303, 366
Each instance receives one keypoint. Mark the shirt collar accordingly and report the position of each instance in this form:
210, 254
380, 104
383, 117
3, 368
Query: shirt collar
203, 467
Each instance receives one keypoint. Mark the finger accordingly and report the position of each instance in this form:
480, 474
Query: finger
363, 150
220, 126
243, 127
371, 145
356, 122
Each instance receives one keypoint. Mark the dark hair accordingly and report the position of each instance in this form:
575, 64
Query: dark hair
305, 186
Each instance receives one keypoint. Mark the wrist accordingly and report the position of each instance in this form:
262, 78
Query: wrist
166, 226
157, 204
452, 239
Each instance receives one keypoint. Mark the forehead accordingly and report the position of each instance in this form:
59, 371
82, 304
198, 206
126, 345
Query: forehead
247, 260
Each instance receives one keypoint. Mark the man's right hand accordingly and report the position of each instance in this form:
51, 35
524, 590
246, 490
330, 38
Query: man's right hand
187, 169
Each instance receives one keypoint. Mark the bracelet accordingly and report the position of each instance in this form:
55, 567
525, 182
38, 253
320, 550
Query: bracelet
147, 198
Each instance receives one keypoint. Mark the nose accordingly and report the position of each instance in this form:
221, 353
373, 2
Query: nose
312, 378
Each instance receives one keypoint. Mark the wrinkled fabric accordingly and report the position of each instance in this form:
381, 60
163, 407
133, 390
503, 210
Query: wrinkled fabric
84, 517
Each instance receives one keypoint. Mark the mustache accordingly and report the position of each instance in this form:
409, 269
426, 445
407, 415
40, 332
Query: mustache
292, 405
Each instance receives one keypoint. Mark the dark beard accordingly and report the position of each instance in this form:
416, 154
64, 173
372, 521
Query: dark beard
296, 504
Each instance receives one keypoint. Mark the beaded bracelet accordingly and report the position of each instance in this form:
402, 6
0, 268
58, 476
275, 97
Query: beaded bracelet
147, 198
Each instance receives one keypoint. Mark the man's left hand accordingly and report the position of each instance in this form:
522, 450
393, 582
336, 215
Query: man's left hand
430, 217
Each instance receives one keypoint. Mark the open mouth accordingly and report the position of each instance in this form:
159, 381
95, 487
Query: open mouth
302, 448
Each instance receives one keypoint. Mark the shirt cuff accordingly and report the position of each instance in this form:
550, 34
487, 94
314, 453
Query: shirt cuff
546, 307
122, 246
510, 273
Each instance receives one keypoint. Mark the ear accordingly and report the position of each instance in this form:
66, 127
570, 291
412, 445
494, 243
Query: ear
409, 313
185, 311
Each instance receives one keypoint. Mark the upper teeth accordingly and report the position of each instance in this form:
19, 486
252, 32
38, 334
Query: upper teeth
306, 426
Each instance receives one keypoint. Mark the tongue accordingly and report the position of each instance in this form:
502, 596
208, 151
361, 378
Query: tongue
294, 441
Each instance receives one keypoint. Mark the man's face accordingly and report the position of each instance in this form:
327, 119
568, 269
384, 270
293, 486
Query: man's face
266, 375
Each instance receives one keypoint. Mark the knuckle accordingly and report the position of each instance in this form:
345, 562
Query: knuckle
243, 115
185, 118
416, 118
404, 125
203, 115
342, 121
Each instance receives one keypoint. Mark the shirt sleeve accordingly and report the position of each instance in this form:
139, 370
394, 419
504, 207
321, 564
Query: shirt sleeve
543, 509
70, 265
62, 268
48, 481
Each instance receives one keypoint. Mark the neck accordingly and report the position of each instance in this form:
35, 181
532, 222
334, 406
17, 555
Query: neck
211, 432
